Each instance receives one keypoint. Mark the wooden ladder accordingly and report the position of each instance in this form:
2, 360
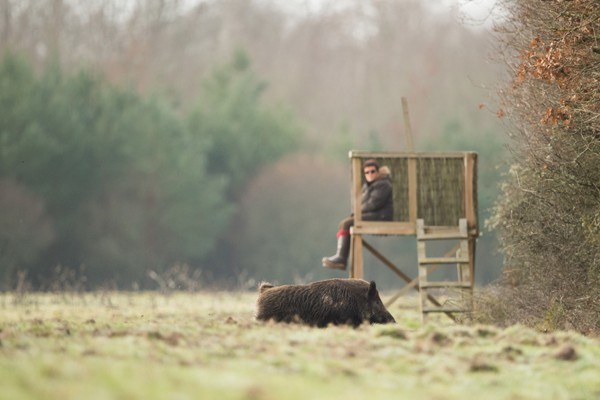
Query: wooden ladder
459, 291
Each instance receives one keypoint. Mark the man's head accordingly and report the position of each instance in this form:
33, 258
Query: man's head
371, 170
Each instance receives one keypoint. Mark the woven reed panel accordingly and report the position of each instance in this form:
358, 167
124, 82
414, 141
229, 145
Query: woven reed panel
440, 191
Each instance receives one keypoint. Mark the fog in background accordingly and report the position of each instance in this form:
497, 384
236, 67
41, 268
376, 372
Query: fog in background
339, 67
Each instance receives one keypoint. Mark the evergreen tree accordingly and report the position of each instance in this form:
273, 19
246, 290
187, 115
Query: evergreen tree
121, 180
244, 133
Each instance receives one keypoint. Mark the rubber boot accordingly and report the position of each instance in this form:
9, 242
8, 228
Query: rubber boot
338, 261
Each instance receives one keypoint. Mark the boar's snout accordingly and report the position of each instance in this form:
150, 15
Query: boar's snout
379, 314
385, 318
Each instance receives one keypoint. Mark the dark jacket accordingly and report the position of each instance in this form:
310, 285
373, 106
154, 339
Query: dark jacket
377, 202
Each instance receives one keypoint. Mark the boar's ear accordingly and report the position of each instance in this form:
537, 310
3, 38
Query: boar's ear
372, 290
264, 286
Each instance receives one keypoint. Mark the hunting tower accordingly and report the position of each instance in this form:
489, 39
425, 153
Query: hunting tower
435, 199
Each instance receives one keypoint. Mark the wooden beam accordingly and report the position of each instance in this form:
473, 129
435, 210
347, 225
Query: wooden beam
356, 188
408, 131
472, 246
357, 257
404, 154
383, 228
469, 191
412, 190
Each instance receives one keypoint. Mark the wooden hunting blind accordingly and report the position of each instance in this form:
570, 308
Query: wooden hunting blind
435, 199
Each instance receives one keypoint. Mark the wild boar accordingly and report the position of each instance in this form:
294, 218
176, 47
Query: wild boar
330, 301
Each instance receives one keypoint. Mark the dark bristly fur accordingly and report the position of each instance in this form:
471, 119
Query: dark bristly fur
331, 301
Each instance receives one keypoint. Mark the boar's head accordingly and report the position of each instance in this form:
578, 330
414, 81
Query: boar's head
375, 312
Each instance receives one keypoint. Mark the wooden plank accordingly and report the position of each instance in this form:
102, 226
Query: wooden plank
442, 236
445, 284
471, 267
404, 229
351, 258
400, 154
357, 257
443, 260
422, 271
383, 228
441, 229
412, 190
472, 246
462, 227
470, 211
356, 247
464, 269
356, 188
421, 251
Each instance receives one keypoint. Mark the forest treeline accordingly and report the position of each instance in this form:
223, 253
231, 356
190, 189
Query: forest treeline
157, 141
98, 178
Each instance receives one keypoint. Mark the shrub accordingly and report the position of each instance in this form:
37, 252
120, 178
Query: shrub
548, 217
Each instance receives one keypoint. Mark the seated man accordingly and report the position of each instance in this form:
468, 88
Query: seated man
376, 205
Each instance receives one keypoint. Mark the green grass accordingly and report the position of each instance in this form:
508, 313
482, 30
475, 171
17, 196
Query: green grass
208, 346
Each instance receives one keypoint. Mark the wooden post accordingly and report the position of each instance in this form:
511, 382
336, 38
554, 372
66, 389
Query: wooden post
422, 269
356, 240
412, 190
409, 139
464, 271
472, 245
356, 188
470, 212
357, 257
412, 165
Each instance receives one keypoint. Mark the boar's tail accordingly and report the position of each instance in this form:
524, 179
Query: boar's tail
264, 286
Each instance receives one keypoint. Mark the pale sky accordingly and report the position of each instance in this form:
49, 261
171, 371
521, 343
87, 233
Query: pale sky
474, 13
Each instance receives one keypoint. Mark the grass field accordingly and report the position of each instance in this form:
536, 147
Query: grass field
208, 346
